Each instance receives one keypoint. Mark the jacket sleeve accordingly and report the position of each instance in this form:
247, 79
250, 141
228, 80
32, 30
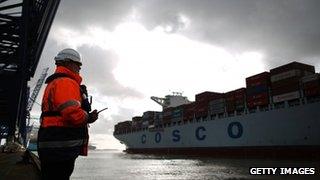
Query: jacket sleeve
68, 102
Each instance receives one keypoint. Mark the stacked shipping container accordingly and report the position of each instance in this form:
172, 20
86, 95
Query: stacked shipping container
123, 127
235, 100
177, 114
311, 85
285, 81
202, 101
188, 111
167, 115
258, 90
136, 122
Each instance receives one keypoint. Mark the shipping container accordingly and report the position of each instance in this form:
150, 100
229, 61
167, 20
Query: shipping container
312, 77
177, 112
230, 101
286, 97
216, 111
286, 82
257, 89
201, 109
240, 93
240, 107
230, 106
258, 79
217, 102
261, 99
286, 75
207, 96
148, 115
167, 115
137, 119
310, 92
145, 124
258, 102
305, 68
264, 95
188, 111
311, 84
285, 89
158, 118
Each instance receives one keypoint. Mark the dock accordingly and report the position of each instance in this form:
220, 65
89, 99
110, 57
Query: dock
21, 164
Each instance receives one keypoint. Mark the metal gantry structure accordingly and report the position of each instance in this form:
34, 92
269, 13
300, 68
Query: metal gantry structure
24, 27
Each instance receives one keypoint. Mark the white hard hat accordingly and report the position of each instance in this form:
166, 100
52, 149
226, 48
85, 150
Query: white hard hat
68, 54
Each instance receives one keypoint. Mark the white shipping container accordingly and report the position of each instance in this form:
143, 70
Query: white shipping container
285, 75
286, 96
312, 77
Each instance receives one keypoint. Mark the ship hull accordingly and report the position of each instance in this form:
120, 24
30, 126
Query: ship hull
275, 152
287, 132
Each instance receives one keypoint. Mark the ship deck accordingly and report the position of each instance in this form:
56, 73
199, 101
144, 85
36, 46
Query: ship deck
12, 166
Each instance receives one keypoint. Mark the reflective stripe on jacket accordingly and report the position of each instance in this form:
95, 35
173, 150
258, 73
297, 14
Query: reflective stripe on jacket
63, 132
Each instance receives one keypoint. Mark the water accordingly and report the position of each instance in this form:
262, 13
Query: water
115, 164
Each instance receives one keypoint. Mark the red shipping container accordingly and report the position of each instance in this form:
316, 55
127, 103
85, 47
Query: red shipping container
230, 106
286, 82
258, 97
240, 92
258, 79
258, 102
207, 96
201, 109
188, 111
315, 91
293, 65
229, 96
285, 89
230, 101
311, 84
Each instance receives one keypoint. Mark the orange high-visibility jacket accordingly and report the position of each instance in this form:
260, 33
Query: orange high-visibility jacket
63, 132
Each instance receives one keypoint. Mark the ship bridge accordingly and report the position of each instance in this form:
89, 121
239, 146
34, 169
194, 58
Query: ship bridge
24, 27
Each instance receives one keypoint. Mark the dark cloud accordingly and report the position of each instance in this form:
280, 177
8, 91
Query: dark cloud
83, 13
284, 30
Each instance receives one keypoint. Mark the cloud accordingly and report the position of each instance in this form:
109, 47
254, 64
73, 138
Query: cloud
98, 65
284, 30
83, 13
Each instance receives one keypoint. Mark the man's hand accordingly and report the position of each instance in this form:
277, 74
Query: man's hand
93, 116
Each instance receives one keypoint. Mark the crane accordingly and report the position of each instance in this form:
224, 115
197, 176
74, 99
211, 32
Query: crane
36, 89
32, 100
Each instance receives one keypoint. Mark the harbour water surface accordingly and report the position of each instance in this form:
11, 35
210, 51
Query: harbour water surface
115, 164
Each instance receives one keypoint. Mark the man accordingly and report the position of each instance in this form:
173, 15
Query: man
63, 133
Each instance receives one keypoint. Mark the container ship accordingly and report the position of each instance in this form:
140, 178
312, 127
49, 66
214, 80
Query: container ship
277, 114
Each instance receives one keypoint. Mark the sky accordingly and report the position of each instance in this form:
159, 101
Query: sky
135, 49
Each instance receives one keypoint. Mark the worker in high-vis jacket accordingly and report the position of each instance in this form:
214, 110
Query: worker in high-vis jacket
63, 133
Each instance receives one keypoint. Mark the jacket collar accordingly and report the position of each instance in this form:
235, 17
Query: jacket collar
73, 75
